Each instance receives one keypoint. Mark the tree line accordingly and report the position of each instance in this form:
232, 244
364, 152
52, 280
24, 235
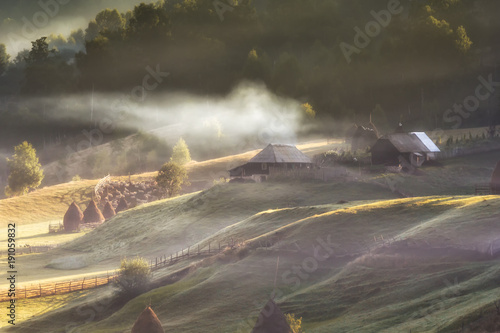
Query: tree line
331, 54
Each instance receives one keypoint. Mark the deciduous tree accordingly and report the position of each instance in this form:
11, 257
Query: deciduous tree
171, 177
25, 171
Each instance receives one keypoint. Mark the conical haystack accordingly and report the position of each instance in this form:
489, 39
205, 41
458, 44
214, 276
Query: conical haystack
147, 322
72, 218
122, 205
108, 211
92, 213
271, 320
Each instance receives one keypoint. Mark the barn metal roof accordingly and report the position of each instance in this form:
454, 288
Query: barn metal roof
427, 142
407, 143
280, 153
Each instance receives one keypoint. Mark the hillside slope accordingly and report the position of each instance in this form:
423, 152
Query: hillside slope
170, 225
328, 276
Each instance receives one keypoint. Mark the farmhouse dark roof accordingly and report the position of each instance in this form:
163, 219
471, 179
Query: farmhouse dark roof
280, 153
410, 142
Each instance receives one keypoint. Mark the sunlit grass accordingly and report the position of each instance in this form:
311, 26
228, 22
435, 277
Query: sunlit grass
34, 307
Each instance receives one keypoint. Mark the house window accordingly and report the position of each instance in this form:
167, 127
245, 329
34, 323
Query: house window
264, 166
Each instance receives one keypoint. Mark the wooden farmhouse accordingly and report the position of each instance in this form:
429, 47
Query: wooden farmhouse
273, 157
415, 148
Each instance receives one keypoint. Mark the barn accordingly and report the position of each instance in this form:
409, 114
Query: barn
273, 156
415, 147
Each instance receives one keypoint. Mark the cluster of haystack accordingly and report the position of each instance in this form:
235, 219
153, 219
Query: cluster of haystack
133, 193
271, 320
92, 214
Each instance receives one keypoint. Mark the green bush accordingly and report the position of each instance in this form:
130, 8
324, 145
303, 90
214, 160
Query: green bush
134, 276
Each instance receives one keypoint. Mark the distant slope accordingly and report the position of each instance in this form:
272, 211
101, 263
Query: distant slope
46, 204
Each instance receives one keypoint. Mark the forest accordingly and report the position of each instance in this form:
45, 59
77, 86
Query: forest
408, 61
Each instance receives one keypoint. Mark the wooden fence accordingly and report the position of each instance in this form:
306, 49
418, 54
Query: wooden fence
190, 252
30, 249
47, 289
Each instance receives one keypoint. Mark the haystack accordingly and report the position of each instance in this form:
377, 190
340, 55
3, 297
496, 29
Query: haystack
122, 205
72, 218
271, 320
495, 180
108, 211
147, 322
92, 213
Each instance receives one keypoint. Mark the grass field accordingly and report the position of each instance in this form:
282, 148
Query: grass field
439, 274
391, 289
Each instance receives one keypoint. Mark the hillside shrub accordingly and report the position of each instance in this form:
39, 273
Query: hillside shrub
295, 323
134, 276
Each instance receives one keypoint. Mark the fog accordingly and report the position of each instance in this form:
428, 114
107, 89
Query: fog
249, 117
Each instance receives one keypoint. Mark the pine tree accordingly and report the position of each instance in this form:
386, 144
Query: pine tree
181, 153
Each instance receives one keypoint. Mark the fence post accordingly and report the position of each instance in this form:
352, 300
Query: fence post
25, 292
69, 286
96, 281
40, 285
83, 282
156, 263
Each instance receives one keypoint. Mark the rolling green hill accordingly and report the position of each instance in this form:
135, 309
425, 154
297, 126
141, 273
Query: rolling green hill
419, 282
353, 255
